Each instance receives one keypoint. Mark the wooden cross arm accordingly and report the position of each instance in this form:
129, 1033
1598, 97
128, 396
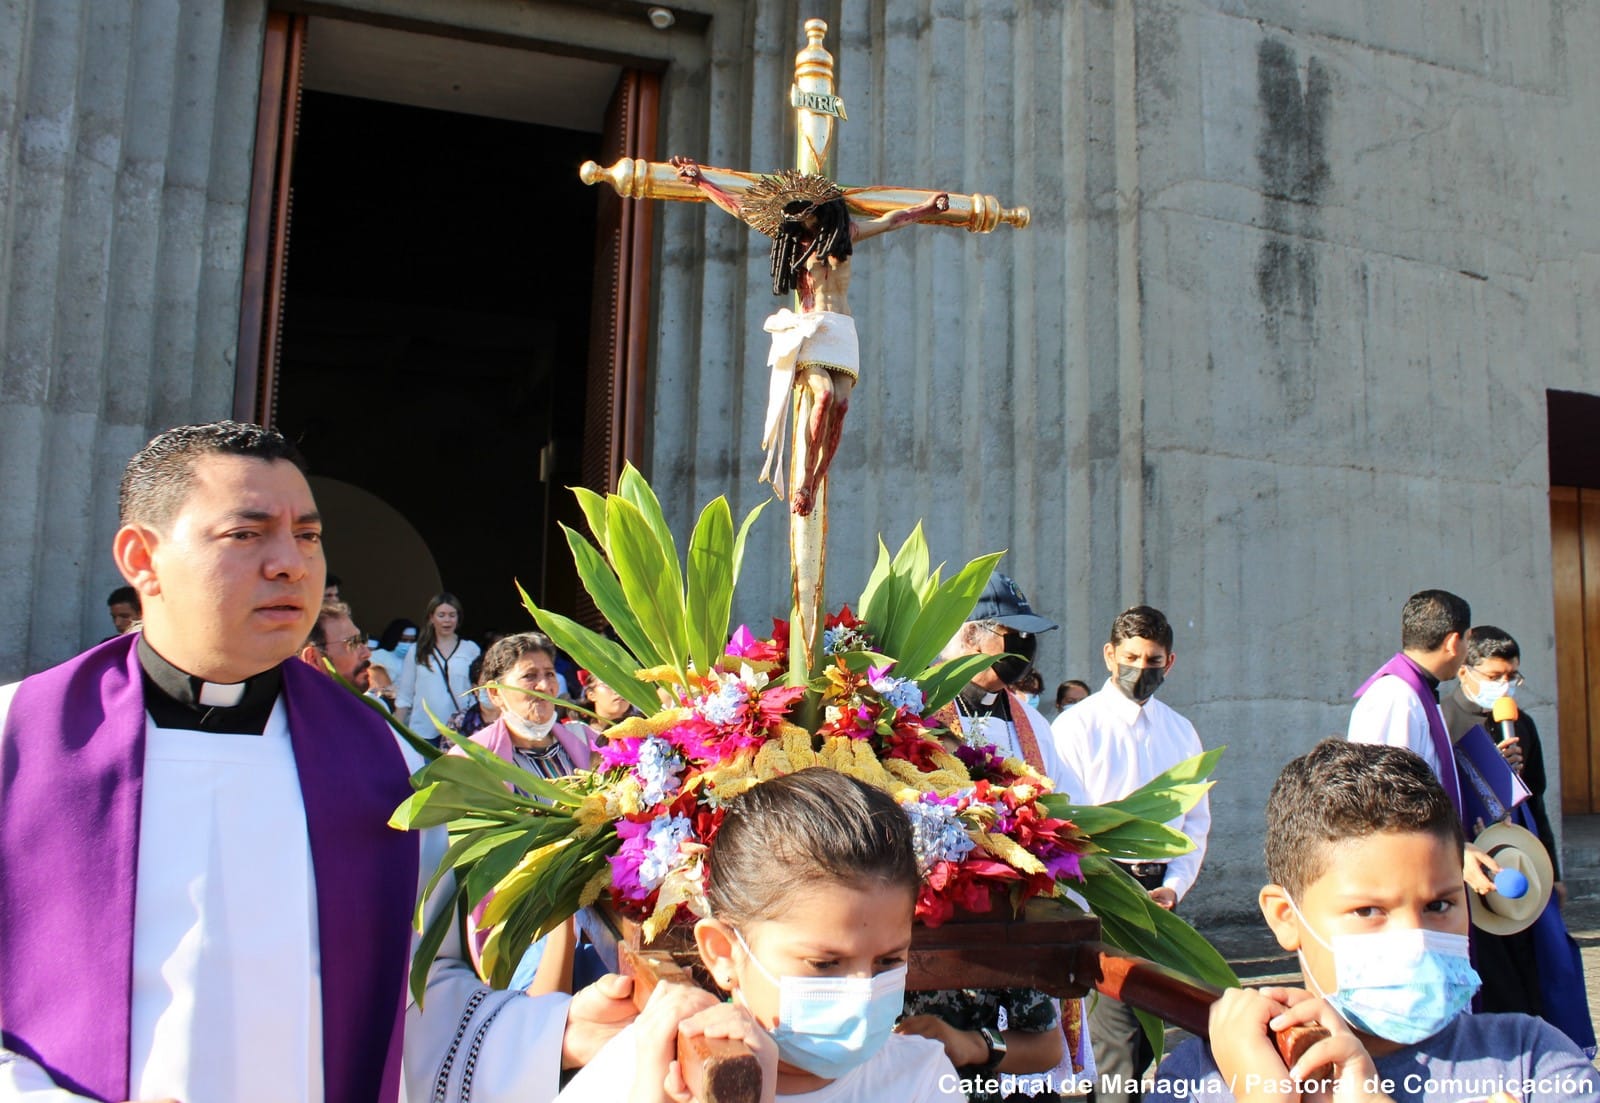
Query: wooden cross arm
633, 178
717, 1070
1169, 995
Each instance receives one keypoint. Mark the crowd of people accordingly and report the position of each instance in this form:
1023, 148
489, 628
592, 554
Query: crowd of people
200, 898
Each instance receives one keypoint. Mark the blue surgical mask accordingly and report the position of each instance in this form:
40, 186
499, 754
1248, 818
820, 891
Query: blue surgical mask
1405, 985
1031, 700
828, 1026
1490, 692
402, 647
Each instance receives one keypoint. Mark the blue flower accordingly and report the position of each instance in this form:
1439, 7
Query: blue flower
898, 693
665, 837
723, 706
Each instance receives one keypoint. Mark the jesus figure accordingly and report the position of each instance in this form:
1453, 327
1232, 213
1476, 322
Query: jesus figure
815, 349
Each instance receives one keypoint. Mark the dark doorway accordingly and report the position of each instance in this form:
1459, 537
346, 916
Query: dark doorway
435, 329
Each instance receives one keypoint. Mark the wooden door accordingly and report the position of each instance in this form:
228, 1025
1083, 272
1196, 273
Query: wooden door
1575, 546
266, 250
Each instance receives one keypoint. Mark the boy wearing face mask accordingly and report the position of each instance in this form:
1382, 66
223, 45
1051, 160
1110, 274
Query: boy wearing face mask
1363, 849
1114, 741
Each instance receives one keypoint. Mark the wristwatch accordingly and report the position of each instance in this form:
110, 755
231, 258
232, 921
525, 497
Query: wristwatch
997, 1047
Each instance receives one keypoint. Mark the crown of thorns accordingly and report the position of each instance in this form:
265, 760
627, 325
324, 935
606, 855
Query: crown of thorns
788, 196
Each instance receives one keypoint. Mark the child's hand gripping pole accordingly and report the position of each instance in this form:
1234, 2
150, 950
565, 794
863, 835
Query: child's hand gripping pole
716, 1070
1175, 998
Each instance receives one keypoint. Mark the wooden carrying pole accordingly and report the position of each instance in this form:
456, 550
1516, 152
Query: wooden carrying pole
1054, 949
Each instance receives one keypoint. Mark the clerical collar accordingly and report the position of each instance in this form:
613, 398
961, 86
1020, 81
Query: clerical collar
977, 701
175, 698
1431, 682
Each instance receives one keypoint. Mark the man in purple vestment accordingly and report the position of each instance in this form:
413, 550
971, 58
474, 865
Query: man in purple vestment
1399, 705
200, 897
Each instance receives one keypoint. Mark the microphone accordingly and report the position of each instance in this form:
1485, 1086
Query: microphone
1505, 714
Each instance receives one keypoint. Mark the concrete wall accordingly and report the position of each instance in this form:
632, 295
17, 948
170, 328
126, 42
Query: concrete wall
1272, 356
125, 140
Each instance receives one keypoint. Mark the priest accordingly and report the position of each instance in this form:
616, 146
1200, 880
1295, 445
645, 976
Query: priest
200, 898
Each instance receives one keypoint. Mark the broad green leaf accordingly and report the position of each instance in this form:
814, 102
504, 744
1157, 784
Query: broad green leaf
941, 682
600, 656
944, 613
1111, 892
910, 569
487, 772
710, 597
1194, 769
739, 540
490, 870
1091, 819
632, 486
468, 848
1143, 841
513, 886
601, 583
649, 579
440, 803
867, 602
594, 512
428, 947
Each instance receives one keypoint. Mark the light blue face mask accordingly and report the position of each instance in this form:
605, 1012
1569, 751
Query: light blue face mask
1031, 700
1490, 692
1405, 985
828, 1026
402, 647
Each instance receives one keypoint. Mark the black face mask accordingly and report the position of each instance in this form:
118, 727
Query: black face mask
1140, 682
1014, 665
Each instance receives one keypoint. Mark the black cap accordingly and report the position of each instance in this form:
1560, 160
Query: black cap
1005, 604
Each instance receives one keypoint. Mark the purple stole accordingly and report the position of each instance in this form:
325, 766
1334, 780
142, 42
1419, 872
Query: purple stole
71, 780
1406, 670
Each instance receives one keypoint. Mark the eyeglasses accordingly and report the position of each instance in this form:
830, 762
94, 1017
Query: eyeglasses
1515, 678
349, 643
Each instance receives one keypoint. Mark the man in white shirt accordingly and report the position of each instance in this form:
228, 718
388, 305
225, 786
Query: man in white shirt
200, 897
1113, 742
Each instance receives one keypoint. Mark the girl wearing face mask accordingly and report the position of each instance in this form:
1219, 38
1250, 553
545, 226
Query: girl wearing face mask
812, 885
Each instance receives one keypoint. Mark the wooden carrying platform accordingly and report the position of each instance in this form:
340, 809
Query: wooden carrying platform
1053, 948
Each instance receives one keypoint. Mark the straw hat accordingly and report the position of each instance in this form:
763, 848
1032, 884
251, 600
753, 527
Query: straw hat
1519, 849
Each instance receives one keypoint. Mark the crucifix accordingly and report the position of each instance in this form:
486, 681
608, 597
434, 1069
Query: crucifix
815, 361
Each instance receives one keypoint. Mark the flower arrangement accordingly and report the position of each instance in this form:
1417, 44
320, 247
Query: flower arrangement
723, 712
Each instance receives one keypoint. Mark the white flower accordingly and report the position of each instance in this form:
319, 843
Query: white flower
666, 837
937, 834
660, 770
722, 707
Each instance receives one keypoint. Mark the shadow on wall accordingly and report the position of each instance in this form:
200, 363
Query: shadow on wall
384, 566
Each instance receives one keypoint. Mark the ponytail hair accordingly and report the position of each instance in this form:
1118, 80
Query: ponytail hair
782, 837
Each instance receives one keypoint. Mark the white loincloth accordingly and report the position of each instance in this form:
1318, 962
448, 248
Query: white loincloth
820, 339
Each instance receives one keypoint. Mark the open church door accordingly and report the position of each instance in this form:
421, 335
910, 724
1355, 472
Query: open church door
267, 225
619, 325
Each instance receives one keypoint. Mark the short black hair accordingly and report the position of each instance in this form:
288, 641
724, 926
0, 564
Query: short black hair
1142, 622
1429, 617
332, 580
1485, 641
125, 595
784, 836
157, 478
1340, 791
1061, 690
